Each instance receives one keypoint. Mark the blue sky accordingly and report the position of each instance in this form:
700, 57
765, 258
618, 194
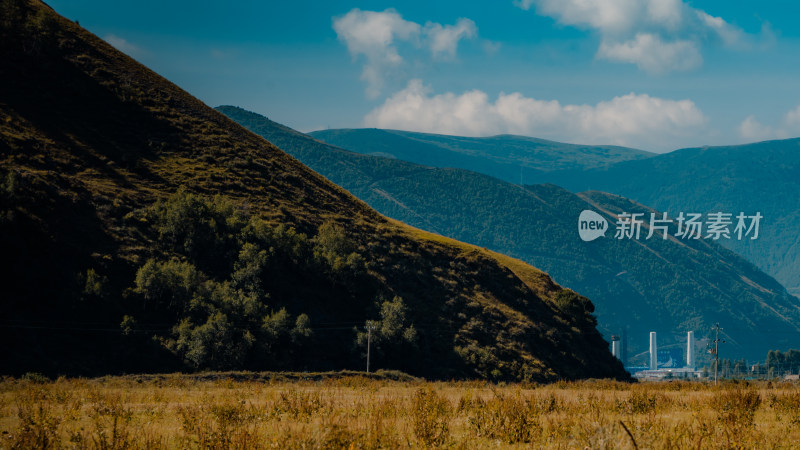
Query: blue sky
652, 74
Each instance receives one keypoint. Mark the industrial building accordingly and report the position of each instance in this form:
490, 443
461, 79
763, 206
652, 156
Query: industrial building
665, 363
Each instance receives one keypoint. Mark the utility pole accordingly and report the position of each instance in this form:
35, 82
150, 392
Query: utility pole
715, 351
370, 326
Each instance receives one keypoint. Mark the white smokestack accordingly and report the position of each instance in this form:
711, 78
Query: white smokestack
690, 349
616, 349
653, 351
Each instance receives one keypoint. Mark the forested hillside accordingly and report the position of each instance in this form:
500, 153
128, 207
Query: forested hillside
144, 231
670, 286
762, 177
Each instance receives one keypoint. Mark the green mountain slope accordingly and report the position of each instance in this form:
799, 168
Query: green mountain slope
763, 177
756, 177
516, 159
647, 285
144, 231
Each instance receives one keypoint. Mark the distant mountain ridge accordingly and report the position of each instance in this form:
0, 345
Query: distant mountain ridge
516, 159
648, 285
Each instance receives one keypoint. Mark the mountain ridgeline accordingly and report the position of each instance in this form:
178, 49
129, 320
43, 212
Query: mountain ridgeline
670, 286
516, 159
144, 231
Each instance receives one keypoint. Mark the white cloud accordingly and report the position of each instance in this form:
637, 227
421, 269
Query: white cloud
491, 47
123, 45
752, 130
729, 34
605, 15
656, 35
372, 34
612, 16
668, 13
651, 54
634, 120
792, 119
444, 39
375, 35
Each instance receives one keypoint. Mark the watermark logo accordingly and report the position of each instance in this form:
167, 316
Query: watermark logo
716, 225
591, 225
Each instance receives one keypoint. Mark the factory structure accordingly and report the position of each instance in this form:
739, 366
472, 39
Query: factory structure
668, 363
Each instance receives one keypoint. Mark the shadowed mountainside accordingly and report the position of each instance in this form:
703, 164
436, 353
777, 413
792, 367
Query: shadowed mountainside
144, 231
762, 177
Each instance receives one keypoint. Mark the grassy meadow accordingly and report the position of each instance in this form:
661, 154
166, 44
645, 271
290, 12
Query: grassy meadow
249, 411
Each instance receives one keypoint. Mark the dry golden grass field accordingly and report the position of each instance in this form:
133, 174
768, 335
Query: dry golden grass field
247, 411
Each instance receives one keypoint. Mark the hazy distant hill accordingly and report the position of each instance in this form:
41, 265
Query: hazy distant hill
666, 286
763, 177
517, 159
143, 231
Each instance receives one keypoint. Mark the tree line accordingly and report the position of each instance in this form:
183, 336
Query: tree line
223, 287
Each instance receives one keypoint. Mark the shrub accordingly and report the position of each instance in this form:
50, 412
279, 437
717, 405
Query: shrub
334, 250
168, 284
112, 417
203, 229
216, 344
736, 409
249, 269
95, 285
430, 417
128, 325
392, 326
511, 420
640, 402
297, 404
38, 426
575, 305
35, 377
